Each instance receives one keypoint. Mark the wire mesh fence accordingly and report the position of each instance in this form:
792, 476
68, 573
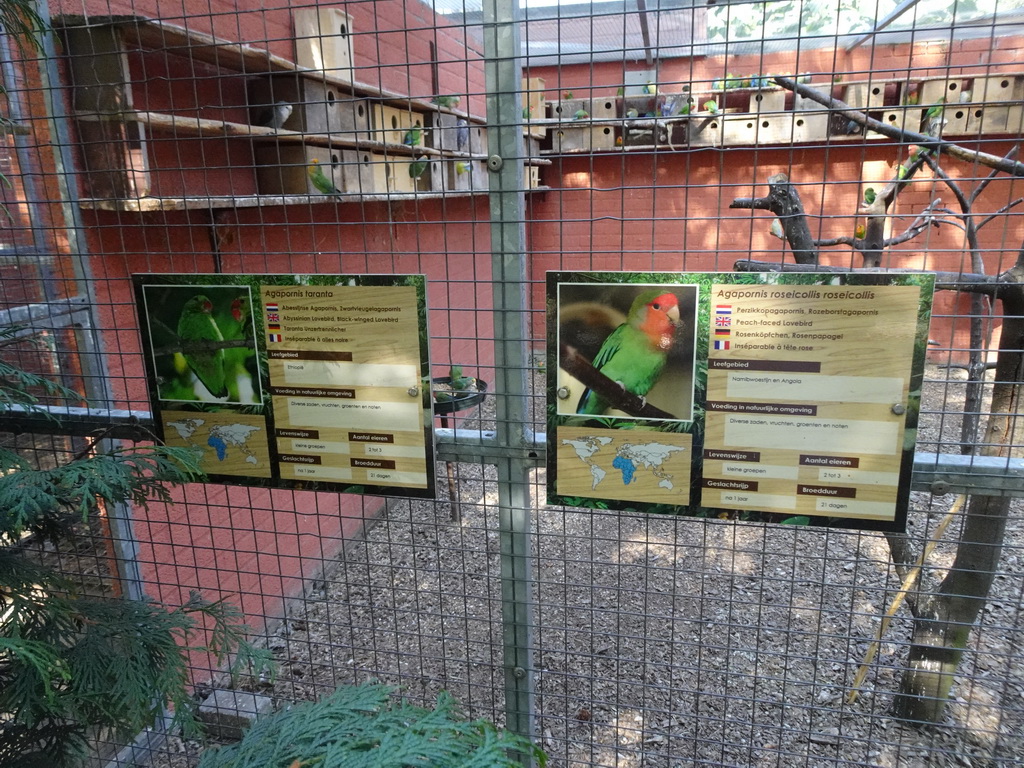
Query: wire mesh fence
388, 138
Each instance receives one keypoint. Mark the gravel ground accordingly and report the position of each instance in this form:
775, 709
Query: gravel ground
661, 642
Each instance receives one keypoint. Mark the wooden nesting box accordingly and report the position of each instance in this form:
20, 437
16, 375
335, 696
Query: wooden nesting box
767, 100
442, 132
396, 176
903, 118
566, 110
957, 117
939, 91
809, 126
569, 139
283, 169
751, 130
317, 106
323, 40
997, 89
705, 130
865, 95
533, 106
390, 124
998, 118
602, 137
466, 175
602, 109
478, 139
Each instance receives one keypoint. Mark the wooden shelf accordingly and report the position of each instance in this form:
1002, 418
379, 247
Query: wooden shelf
196, 126
153, 34
146, 204
116, 136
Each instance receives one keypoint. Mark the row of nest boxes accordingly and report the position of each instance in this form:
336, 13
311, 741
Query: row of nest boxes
286, 169
745, 129
995, 90
320, 108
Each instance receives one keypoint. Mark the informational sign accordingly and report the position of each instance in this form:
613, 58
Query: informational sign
295, 381
779, 397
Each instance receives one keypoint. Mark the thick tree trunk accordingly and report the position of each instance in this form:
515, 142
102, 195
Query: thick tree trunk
943, 622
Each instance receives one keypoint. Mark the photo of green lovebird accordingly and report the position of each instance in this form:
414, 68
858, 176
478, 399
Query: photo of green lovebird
634, 354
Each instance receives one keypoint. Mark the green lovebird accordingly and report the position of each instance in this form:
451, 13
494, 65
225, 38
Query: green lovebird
634, 354
320, 180
418, 167
196, 324
449, 102
412, 136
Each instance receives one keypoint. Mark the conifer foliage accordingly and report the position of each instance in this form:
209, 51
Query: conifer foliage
73, 665
363, 726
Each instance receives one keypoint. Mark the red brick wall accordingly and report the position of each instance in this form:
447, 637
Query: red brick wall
668, 210
255, 547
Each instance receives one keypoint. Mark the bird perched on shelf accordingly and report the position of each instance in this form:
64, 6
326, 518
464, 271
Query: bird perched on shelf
195, 326
275, 115
634, 354
461, 167
448, 102
320, 180
461, 135
580, 114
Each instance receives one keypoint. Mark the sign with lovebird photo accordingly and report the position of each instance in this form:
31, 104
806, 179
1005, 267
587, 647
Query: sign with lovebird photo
781, 397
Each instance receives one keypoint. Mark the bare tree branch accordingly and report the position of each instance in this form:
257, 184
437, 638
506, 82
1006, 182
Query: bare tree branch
573, 363
1005, 165
1004, 209
784, 202
854, 242
994, 174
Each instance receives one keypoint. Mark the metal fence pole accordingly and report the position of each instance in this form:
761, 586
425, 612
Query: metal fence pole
508, 238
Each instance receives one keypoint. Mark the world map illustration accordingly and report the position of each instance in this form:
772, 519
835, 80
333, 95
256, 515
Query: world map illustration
220, 437
630, 462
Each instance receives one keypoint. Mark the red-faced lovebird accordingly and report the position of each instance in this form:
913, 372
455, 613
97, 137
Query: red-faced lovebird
197, 325
634, 354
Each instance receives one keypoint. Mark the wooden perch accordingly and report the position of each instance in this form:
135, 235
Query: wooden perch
573, 363
784, 202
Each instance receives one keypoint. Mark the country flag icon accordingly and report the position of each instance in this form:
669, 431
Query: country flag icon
721, 344
274, 337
